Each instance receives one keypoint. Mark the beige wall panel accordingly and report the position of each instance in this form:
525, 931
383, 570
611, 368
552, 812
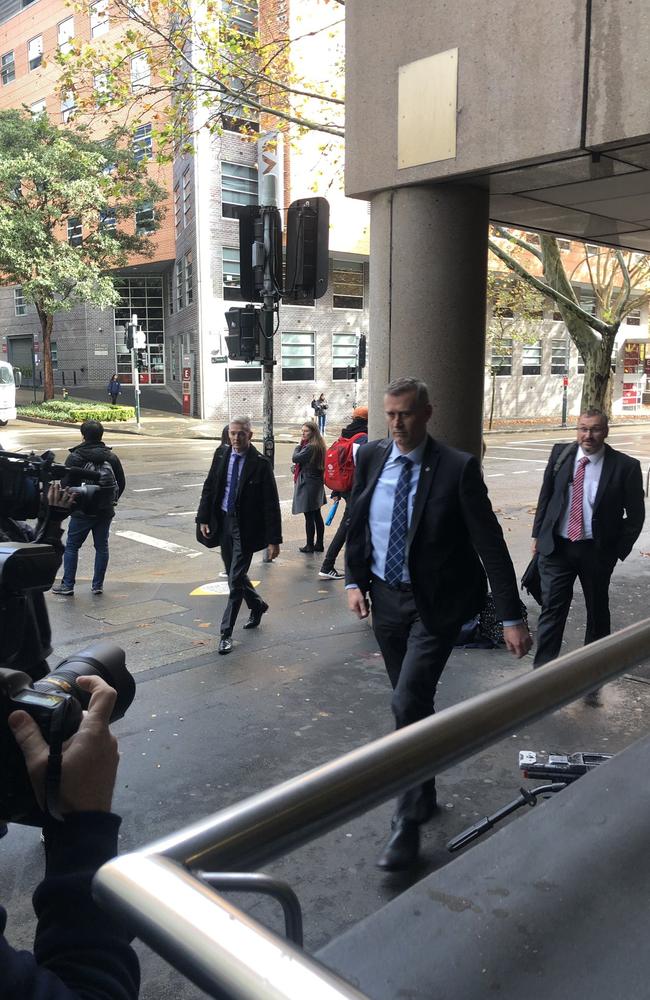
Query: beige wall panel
520, 73
427, 95
619, 72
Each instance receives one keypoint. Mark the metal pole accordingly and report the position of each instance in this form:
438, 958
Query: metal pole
136, 385
267, 316
565, 395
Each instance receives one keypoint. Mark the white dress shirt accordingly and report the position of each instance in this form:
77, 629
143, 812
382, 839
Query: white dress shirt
381, 505
590, 487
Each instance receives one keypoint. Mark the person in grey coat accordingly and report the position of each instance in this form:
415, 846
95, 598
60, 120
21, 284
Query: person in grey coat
309, 490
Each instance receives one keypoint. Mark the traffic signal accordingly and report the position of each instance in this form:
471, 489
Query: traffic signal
361, 358
130, 335
252, 256
307, 248
243, 333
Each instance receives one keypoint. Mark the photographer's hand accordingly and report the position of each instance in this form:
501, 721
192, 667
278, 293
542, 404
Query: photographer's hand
60, 499
90, 757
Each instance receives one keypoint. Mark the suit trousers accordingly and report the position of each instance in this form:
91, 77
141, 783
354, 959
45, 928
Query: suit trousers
558, 573
237, 563
414, 660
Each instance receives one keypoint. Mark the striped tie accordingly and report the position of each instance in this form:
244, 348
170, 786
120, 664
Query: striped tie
398, 525
574, 530
234, 480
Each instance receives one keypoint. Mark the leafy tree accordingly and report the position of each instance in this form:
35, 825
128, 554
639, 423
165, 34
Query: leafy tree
59, 181
515, 314
619, 281
209, 64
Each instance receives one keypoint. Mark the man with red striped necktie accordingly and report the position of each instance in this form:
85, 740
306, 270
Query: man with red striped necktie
589, 514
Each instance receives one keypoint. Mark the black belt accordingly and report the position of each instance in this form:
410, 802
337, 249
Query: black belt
405, 588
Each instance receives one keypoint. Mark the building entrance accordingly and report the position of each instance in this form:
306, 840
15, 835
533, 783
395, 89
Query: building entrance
142, 295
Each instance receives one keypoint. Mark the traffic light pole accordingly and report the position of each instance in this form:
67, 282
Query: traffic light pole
268, 311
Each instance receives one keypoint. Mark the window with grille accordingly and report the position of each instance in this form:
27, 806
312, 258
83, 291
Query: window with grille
145, 218
238, 188
501, 360
7, 68
298, 357
345, 348
189, 278
75, 232
241, 15
54, 353
564, 245
140, 71
35, 52
177, 208
65, 34
37, 108
347, 284
531, 359
107, 218
187, 196
98, 18
231, 273
633, 318
142, 143
559, 357
180, 285
237, 112
20, 306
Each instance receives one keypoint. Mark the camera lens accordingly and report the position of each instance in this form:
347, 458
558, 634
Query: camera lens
103, 659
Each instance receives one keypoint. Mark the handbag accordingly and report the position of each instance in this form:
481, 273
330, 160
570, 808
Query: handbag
531, 580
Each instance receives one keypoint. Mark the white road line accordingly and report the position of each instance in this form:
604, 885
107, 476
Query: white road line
158, 543
151, 489
189, 486
522, 472
180, 513
495, 475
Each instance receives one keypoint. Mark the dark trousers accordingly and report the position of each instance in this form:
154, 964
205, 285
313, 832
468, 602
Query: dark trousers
237, 563
414, 660
558, 573
314, 528
79, 527
338, 541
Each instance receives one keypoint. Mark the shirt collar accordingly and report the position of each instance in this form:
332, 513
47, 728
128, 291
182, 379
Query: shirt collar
415, 456
595, 458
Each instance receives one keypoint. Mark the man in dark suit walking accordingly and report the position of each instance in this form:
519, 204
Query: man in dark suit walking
421, 529
240, 511
589, 514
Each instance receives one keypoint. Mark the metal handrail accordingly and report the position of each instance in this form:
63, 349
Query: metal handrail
227, 953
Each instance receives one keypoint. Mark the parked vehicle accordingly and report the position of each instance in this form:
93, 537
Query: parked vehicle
9, 379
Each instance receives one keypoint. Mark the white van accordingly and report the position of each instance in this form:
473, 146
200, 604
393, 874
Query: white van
8, 383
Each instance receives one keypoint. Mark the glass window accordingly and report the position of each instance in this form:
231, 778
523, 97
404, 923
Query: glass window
231, 273
347, 284
54, 353
241, 15
237, 112
20, 306
68, 107
75, 232
559, 357
244, 371
531, 359
98, 18
633, 318
37, 108
238, 187
345, 348
142, 143
35, 52
144, 218
8, 68
501, 360
180, 284
65, 34
189, 278
187, 196
142, 295
140, 71
178, 218
298, 357
107, 219
564, 245
588, 303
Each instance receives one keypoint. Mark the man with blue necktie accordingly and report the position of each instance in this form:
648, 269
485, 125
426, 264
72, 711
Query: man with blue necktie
240, 511
422, 535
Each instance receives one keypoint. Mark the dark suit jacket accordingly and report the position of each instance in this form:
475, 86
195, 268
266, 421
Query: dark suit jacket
257, 505
453, 524
619, 507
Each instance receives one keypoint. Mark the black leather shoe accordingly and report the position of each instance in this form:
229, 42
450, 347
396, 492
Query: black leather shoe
307, 548
402, 848
225, 645
319, 548
255, 616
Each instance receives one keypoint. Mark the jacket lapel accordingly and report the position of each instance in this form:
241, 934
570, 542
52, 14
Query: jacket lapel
379, 460
430, 460
609, 461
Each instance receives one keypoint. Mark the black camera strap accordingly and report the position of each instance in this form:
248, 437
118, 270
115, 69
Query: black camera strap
54, 761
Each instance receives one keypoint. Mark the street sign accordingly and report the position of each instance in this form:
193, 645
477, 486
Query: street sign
219, 361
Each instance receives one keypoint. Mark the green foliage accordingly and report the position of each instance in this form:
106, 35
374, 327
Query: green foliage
76, 411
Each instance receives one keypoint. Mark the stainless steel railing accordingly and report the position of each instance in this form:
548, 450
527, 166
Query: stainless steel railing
230, 955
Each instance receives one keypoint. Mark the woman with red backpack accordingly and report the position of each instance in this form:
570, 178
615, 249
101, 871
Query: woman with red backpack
308, 490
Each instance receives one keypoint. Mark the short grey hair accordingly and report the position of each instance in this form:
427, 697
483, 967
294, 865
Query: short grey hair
401, 385
593, 411
244, 422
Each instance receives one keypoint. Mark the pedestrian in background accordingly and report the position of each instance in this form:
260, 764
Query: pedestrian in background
114, 388
589, 514
308, 490
345, 448
319, 406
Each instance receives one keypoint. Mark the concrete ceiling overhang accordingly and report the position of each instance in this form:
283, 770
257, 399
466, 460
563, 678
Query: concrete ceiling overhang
599, 197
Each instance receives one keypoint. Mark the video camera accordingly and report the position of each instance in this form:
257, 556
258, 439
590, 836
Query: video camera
24, 482
54, 701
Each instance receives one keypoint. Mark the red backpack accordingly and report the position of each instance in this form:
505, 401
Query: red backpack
339, 464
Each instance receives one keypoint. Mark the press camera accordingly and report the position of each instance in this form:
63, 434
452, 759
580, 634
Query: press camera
25, 479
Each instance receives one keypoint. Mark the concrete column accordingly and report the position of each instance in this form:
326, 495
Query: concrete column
428, 270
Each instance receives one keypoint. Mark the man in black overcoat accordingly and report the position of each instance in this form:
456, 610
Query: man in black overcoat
240, 511
421, 536
585, 538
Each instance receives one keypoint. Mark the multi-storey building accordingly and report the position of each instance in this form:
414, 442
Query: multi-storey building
180, 295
